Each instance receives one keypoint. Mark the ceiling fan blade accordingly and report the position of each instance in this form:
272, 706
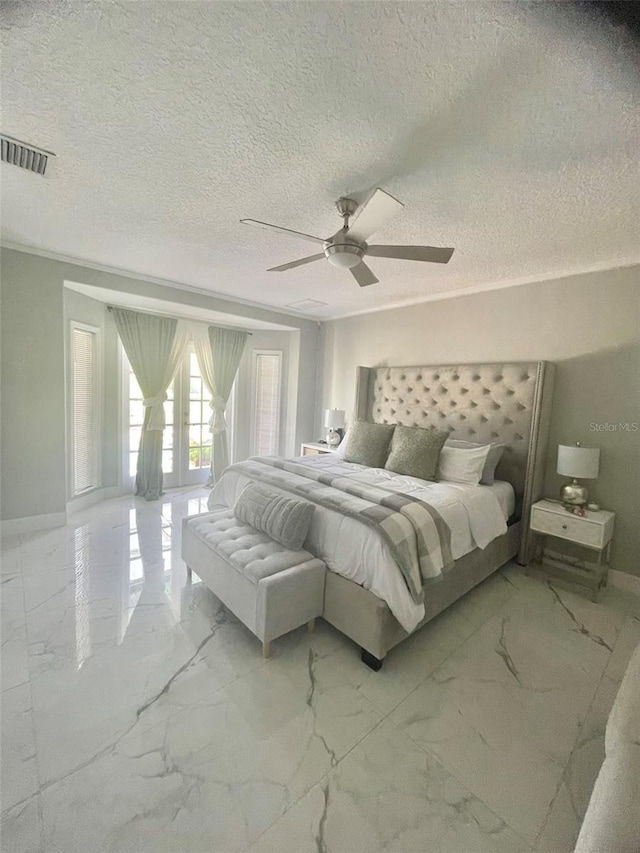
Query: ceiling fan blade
412, 253
286, 231
299, 263
363, 274
373, 214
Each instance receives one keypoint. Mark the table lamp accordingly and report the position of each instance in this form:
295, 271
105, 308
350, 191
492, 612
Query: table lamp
334, 420
575, 461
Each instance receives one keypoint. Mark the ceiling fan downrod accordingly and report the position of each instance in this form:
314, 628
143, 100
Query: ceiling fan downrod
346, 207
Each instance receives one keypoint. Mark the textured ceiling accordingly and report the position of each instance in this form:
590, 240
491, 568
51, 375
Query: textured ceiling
509, 130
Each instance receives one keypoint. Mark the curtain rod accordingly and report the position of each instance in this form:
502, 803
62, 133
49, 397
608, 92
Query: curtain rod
178, 317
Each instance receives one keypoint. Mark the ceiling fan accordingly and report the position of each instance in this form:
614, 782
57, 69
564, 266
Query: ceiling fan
348, 246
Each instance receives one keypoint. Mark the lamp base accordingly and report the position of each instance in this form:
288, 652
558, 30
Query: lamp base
573, 494
333, 438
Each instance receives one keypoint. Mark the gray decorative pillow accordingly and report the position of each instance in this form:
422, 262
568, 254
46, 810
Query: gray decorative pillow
491, 463
286, 520
415, 451
368, 444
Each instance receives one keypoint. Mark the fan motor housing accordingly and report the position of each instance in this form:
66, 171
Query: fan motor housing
344, 255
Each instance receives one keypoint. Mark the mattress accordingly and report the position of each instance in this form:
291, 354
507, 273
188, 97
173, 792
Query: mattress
475, 515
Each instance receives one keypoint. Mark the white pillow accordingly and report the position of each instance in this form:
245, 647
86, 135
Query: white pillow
458, 465
494, 456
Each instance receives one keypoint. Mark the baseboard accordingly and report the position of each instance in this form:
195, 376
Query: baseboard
115, 492
11, 526
623, 580
85, 501
94, 497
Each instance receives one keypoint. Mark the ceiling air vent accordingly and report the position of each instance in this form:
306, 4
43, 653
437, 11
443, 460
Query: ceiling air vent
24, 156
305, 305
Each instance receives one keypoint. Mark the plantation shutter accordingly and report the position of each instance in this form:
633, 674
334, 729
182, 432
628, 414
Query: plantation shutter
266, 403
85, 421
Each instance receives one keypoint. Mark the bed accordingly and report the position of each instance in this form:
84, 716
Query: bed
366, 596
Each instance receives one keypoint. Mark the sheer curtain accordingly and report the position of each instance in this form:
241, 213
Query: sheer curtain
218, 353
154, 346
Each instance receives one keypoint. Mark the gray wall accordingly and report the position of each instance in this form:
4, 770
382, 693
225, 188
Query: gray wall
32, 474
589, 325
32, 381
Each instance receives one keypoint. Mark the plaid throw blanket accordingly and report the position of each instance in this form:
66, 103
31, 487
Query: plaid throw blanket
416, 533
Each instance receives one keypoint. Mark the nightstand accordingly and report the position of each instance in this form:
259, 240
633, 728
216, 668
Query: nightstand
314, 448
593, 531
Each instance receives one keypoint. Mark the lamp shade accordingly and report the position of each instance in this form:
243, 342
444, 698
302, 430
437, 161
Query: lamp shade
578, 462
334, 418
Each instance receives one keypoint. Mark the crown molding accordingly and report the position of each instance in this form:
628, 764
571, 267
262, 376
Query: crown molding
165, 282
489, 286
260, 306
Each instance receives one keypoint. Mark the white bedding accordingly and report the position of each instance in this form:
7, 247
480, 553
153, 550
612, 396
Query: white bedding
505, 495
475, 515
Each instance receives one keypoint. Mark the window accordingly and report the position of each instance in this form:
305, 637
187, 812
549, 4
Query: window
85, 420
199, 414
186, 441
136, 420
267, 369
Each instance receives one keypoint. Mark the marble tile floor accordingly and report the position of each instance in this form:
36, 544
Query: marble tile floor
138, 713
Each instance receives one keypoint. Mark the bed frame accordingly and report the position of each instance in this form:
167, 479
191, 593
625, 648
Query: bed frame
508, 403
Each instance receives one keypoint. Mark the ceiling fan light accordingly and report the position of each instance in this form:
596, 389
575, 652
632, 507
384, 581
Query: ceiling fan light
344, 255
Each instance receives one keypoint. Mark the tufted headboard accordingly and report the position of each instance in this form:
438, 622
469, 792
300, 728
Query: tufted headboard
508, 403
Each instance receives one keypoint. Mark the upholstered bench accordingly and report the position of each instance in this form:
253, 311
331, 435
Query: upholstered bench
269, 587
612, 821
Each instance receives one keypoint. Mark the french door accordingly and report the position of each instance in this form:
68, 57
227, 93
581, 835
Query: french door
186, 446
193, 455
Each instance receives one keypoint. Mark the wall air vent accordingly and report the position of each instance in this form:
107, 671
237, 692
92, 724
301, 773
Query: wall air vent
25, 156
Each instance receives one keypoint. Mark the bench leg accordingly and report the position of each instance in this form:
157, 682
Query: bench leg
266, 650
370, 660
189, 574
311, 626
